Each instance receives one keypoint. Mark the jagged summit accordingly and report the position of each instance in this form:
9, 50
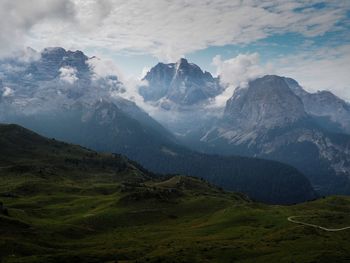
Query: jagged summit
331, 111
266, 102
53, 59
56, 78
275, 118
182, 61
181, 83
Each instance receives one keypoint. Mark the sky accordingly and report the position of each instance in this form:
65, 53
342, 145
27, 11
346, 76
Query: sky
308, 40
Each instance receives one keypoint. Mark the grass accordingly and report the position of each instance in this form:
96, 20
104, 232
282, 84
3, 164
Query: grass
104, 222
69, 204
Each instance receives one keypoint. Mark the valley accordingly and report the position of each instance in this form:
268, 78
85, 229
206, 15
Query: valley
69, 204
174, 131
92, 112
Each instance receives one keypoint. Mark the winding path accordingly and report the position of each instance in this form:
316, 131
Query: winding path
291, 219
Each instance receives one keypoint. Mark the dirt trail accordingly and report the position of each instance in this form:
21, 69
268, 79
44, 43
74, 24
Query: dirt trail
291, 219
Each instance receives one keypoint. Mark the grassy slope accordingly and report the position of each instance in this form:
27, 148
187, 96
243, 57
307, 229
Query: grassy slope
69, 204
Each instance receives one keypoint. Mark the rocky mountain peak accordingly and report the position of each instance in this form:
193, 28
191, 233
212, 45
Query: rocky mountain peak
182, 62
51, 52
331, 111
53, 59
267, 102
294, 86
181, 83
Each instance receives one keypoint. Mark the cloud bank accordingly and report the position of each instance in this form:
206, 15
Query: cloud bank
324, 69
236, 72
170, 29
19, 18
165, 29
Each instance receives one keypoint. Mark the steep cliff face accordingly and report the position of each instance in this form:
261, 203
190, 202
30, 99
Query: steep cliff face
53, 59
330, 111
181, 83
72, 105
266, 103
270, 119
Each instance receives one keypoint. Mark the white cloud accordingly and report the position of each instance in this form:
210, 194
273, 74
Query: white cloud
321, 69
236, 72
104, 67
68, 74
324, 69
165, 29
170, 29
19, 17
26, 55
144, 71
7, 92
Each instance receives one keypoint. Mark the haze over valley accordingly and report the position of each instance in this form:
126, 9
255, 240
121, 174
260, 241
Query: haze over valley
174, 132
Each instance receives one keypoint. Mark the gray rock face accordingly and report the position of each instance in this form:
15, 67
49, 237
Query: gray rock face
2, 90
76, 111
274, 118
181, 83
89, 112
58, 78
53, 59
329, 108
267, 102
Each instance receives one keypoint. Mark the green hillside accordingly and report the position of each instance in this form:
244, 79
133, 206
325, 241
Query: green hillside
66, 203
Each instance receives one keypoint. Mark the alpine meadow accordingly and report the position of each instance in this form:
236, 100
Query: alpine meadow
174, 131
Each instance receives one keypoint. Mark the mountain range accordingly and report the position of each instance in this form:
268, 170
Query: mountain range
191, 188
274, 118
59, 95
179, 84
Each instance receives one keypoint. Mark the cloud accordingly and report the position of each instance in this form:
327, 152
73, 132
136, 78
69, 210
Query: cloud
104, 67
144, 71
7, 92
68, 74
165, 29
322, 69
170, 29
26, 55
19, 17
236, 72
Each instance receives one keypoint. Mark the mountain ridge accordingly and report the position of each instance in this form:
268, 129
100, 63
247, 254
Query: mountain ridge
181, 83
93, 115
260, 120
65, 203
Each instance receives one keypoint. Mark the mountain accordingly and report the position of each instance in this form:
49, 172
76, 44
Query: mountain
266, 103
179, 83
106, 128
24, 152
94, 115
52, 60
331, 112
66, 203
268, 119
